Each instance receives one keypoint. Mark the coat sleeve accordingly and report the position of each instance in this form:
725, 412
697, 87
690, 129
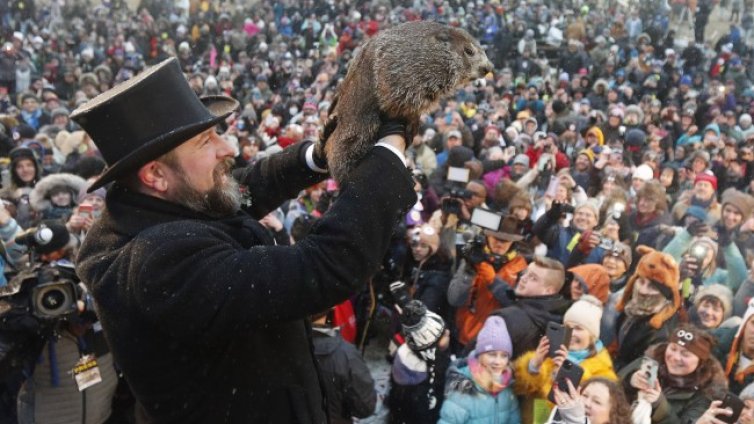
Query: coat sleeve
277, 178
196, 279
528, 384
678, 245
736, 266
460, 285
360, 397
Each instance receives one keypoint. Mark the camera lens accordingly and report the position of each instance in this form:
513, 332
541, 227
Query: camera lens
53, 300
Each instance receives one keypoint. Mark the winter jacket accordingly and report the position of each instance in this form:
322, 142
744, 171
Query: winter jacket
478, 294
466, 402
416, 396
430, 280
728, 353
635, 335
348, 384
676, 405
51, 394
538, 385
215, 329
527, 318
646, 232
561, 241
732, 276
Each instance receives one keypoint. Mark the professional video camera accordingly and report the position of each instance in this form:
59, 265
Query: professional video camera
457, 192
474, 251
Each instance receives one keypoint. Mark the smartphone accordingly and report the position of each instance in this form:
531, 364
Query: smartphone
86, 211
649, 367
557, 334
735, 404
568, 371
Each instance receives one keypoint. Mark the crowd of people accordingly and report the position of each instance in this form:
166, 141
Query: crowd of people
616, 157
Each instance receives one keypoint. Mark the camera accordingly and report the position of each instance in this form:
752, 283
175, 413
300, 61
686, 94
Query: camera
50, 294
606, 243
457, 192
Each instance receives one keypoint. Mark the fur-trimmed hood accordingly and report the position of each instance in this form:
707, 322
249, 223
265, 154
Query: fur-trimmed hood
39, 197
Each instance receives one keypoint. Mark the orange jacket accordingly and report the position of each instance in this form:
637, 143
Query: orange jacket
481, 303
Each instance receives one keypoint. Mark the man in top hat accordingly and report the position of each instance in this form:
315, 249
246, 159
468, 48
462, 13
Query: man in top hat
204, 315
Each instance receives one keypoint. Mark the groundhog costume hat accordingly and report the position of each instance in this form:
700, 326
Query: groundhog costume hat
661, 269
147, 116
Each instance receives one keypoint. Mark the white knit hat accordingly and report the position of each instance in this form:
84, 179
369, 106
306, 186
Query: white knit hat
643, 172
586, 312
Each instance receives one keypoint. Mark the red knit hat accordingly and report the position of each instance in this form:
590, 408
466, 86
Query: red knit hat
706, 176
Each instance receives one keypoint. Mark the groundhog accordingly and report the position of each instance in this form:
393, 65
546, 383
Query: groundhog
399, 74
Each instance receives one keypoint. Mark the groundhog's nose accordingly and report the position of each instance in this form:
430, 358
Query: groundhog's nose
485, 69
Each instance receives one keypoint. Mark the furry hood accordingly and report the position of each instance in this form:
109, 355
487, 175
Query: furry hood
459, 379
38, 198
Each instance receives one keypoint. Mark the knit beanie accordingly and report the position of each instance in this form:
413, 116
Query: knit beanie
693, 339
586, 312
697, 212
426, 234
494, 337
635, 136
643, 172
662, 270
422, 328
739, 200
594, 280
717, 291
588, 153
708, 177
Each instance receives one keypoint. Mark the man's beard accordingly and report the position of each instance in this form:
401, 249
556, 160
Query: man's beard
222, 200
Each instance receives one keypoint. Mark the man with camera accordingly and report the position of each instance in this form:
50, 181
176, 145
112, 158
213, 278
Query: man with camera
561, 241
206, 318
490, 267
49, 333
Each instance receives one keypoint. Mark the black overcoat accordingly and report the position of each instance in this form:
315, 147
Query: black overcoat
206, 320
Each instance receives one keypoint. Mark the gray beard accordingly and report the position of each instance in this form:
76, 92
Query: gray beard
222, 200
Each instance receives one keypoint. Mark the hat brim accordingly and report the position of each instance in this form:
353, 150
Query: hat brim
503, 236
220, 107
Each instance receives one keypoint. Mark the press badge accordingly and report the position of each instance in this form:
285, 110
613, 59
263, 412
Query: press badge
86, 372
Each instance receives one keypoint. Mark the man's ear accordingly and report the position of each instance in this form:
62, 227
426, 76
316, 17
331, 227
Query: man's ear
153, 177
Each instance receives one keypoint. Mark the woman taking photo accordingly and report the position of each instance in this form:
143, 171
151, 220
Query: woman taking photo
688, 378
600, 401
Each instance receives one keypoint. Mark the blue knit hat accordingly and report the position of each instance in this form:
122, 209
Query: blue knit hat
494, 337
697, 212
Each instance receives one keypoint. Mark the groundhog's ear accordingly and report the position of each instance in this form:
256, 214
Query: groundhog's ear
443, 37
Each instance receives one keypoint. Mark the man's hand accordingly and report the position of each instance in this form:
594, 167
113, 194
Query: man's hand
271, 222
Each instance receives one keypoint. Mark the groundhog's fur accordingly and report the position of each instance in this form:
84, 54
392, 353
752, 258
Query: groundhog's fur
399, 74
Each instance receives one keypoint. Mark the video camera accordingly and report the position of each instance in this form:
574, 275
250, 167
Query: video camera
457, 192
474, 251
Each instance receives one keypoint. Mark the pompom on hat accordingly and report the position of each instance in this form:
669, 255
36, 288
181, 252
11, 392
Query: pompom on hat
422, 327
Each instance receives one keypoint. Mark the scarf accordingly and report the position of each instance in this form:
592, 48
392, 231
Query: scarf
486, 381
642, 305
578, 356
702, 203
686, 382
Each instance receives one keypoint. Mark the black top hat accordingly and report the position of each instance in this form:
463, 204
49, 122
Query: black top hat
147, 116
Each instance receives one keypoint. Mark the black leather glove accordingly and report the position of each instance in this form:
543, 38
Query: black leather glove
697, 228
